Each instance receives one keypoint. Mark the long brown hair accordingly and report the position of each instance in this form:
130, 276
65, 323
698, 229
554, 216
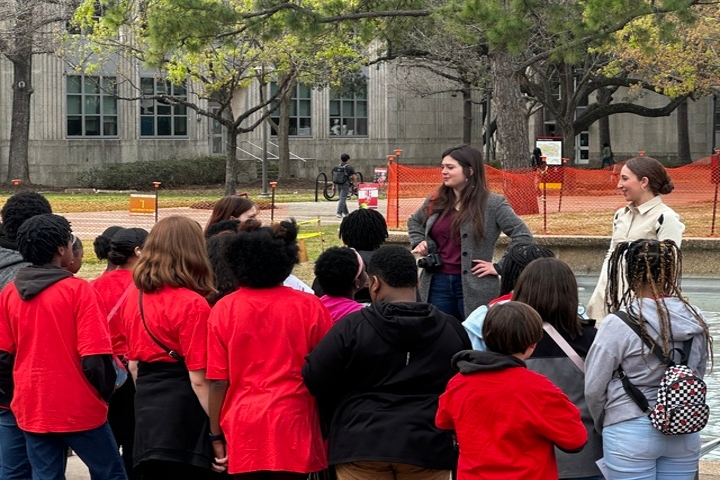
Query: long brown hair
549, 286
472, 198
174, 255
229, 207
653, 264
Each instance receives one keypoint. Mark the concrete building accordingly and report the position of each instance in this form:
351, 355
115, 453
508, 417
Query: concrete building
78, 123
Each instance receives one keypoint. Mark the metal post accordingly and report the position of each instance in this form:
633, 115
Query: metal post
488, 101
157, 191
398, 152
272, 201
264, 98
391, 159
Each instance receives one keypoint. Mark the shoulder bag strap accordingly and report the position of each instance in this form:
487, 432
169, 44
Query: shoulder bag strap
112, 313
633, 392
170, 352
565, 346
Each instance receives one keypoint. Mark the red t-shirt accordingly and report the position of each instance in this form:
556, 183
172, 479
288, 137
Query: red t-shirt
48, 335
175, 316
258, 340
507, 424
111, 286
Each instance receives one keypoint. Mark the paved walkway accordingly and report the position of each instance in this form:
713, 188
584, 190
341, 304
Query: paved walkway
77, 470
88, 225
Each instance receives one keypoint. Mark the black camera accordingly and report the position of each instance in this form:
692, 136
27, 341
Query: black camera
431, 261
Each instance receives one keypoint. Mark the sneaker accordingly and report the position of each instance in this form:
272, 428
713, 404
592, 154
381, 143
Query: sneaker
338, 215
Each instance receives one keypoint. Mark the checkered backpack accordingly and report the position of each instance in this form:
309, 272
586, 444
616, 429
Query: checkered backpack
680, 407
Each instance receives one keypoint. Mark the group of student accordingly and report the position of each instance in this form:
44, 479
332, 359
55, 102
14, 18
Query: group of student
237, 369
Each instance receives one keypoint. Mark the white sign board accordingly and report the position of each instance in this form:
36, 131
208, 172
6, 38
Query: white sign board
552, 149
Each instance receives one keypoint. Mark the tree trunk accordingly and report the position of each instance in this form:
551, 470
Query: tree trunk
512, 128
18, 166
683, 134
568, 135
467, 113
231, 161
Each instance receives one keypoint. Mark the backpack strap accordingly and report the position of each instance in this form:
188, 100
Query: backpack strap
635, 327
633, 392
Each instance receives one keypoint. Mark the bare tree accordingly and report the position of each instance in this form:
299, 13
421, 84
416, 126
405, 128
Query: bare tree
28, 28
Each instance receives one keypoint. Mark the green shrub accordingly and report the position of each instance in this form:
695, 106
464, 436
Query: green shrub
172, 173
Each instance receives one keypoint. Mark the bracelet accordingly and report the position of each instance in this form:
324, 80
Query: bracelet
217, 438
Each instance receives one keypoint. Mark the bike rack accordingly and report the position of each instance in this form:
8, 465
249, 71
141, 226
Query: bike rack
317, 183
325, 183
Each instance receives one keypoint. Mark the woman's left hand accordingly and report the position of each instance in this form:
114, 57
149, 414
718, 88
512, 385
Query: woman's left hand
483, 268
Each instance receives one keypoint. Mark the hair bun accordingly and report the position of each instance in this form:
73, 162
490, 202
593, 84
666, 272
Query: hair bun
667, 187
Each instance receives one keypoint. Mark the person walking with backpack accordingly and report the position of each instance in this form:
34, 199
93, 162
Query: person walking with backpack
342, 176
654, 312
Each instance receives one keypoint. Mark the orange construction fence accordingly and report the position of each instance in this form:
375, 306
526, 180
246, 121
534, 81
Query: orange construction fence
564, 200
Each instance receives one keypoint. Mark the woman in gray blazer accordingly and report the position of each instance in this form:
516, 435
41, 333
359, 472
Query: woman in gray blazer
455, 232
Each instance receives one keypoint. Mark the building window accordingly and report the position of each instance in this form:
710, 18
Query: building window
348, 112
300, 111
73, 28
162, 118
91, 106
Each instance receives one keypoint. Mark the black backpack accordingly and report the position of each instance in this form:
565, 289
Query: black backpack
339, 174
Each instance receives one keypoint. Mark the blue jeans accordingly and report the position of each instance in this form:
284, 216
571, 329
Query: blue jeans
343, 190
446, 294
633, 449
15, 463
96, 448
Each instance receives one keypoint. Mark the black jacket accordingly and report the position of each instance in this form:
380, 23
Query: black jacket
549, 359
377, 375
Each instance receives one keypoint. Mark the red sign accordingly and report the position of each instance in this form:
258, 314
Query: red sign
368, 195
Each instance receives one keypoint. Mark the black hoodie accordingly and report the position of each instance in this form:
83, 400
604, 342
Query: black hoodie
98, 369
377, 375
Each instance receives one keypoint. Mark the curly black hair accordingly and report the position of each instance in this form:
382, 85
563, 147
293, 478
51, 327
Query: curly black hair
39, 237
363, 229
336, 269
225, 281
222, 226
395, 265
19, 208
101, 244
263, 257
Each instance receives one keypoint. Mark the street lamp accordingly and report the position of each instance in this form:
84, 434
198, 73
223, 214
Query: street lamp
264, 157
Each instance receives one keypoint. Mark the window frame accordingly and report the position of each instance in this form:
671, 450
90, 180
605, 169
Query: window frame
296, 103
342, 99
101, 94
155, 106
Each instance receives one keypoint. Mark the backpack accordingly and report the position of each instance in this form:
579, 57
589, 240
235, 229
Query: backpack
339, 174
680, 406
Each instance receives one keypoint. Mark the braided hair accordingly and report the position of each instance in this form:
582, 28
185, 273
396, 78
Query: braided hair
517, 258
649, 268
363, 229
39, 237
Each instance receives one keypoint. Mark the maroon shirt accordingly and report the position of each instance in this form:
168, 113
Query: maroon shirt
448, 248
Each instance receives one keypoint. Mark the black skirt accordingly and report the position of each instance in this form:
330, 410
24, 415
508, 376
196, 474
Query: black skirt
170, 424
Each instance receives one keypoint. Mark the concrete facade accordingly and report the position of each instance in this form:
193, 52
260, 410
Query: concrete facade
398, 117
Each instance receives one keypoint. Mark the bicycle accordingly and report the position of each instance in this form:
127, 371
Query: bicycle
331, 191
